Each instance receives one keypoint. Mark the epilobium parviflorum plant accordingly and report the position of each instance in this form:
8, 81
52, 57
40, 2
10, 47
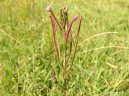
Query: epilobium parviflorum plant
64, 45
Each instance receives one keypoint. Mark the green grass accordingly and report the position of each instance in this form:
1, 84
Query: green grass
101, 66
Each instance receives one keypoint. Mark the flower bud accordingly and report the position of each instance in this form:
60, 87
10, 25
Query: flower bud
48, 8
74, 18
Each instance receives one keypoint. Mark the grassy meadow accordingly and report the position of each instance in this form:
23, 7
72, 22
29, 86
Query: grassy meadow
101, 65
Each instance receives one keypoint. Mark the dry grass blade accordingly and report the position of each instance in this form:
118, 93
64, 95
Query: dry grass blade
105, 47
97, 35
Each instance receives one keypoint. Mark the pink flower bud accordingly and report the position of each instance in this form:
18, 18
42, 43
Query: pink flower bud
74, 18
48, 8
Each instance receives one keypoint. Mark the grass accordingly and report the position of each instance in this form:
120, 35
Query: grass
101, 66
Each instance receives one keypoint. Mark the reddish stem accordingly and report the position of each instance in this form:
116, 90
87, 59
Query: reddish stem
76, 42
54, 38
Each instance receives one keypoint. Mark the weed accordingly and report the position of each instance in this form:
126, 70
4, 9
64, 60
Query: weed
65, 28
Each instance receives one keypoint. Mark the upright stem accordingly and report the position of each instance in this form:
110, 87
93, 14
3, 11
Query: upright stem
64, 86
54, 38
76, 42
65, 66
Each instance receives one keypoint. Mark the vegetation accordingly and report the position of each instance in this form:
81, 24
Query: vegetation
27, 59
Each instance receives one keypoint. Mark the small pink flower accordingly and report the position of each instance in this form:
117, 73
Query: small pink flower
74, 18
48, 8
